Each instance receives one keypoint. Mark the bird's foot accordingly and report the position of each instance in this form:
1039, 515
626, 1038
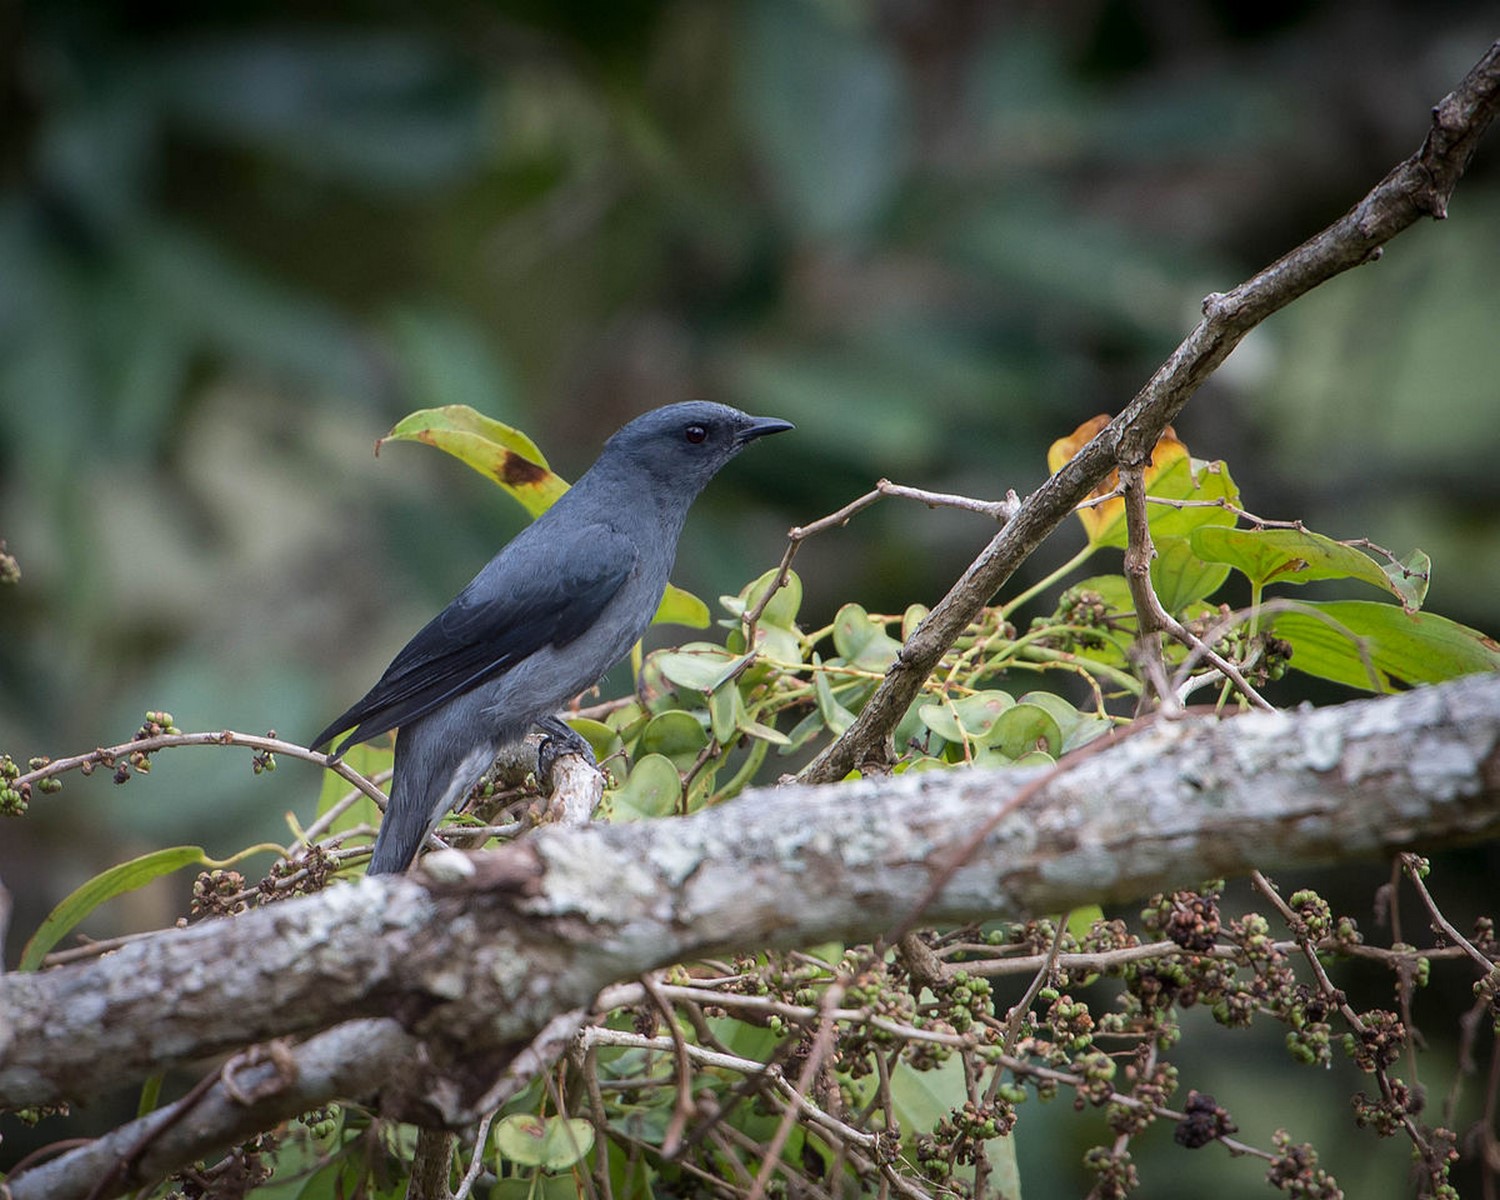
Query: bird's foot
561, 738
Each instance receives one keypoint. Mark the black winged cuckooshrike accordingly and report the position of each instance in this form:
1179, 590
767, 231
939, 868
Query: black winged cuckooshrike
551, 613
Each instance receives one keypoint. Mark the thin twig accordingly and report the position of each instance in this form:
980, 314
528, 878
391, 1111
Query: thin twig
1411, 865
476, 1163
109, 755
816, 1056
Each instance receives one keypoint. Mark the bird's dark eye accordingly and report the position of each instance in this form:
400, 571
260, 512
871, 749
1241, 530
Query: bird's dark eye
696, 434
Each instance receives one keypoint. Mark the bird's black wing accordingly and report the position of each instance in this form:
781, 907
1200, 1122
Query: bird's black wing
480, 634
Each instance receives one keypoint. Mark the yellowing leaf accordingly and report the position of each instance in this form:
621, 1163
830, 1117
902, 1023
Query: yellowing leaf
678, 607
1104, 523
496, 450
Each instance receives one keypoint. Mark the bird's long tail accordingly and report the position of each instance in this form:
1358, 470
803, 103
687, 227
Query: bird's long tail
431, 776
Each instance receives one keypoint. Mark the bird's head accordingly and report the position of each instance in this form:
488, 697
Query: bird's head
682, 446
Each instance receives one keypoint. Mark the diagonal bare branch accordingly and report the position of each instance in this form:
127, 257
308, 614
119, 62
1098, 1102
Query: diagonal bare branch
1417, 187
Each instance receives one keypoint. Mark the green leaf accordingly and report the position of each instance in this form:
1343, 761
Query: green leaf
1085, 732
1300, 556
652, 789
1005, 1170
777, 636
1066, 716
1182, 478
497, 451
1023, 728
920, 1099
764, 732
783, 606
971, 718
1204, 483
1180, 577
698, 666
1409, 579
726, 713
678, 607
551, 1143
862, 641
602, 740
1404, 648
676, 735
539, 1187
1114, 590
1082, 918
116, 881
834, 715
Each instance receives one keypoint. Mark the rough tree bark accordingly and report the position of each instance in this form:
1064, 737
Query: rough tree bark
465, 970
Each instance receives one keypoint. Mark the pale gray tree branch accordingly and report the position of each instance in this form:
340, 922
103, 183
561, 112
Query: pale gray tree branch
1420, 186
466, 969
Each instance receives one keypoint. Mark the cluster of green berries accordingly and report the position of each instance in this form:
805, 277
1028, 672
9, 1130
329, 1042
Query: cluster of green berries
1070, 1020
1379, 1043
322, 1122
1115, 1176
301, 876
967, 999
1086, 615
1295, 1171
1385, 1114
156, 724
1153, 1091
218, 894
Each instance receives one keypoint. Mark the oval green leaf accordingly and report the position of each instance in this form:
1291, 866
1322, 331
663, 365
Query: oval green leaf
1184, 478
834, 715
726, 713
862, 641
972, 716
550, 1143
700, 666
783, 606
1023, 728
652, 789
678, 607
602, 739
675, 734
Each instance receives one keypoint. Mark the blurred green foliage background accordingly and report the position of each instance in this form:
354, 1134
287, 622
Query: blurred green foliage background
239, 241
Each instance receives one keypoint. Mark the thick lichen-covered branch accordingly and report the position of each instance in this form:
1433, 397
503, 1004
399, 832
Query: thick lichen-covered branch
484, 959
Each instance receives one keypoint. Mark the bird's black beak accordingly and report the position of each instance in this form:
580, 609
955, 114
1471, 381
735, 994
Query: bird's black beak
760, 427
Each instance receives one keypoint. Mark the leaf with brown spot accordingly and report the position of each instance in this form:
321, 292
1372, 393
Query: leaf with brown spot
497, 451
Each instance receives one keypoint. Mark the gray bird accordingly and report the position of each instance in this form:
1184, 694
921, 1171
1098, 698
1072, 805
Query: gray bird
543, 621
